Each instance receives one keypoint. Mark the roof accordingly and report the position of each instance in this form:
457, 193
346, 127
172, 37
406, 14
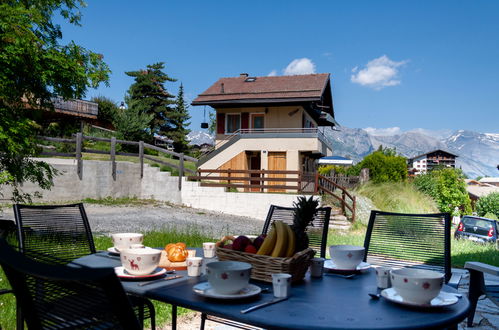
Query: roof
246, 89
430, 152
335, 160
488, 179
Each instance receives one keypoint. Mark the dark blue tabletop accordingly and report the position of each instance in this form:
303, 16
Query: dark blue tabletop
329, 302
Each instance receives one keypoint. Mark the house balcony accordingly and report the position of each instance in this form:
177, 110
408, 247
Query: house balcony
309, 140
79, 108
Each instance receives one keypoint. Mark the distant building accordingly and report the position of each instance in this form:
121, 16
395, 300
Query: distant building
478, 189
421, 164
491, 181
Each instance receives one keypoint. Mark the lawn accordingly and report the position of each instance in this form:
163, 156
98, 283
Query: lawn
462, 251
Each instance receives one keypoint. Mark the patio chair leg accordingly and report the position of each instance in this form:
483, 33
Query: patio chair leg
203, 320
475, 291
174, 317
19, 317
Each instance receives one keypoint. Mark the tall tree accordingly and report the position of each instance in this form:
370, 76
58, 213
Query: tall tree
132, 123
107, 109
34, 68
179, 122
148, 93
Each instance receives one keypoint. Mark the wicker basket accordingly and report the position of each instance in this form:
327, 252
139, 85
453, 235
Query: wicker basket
265, 266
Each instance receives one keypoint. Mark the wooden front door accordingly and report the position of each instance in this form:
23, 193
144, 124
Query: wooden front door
277, 162
255, 162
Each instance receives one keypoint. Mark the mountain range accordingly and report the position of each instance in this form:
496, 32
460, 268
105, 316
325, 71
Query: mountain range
478, 153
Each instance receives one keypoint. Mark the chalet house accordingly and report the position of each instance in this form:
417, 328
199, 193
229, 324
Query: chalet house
269, 123
426, 162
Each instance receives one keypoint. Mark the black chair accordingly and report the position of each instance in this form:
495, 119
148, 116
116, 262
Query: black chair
478, 286
410, 240
60, 297
62, 231
317, 231
317, 234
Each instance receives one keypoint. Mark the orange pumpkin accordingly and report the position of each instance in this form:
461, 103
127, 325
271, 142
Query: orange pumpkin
176, 252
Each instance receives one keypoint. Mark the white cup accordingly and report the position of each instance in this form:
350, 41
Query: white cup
194, 265
317, 267
140, 261
281, 283
346, 257
123, 241
382, 277
209, 249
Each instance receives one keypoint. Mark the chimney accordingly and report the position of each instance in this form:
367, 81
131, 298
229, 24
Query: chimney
222, 90
243, 75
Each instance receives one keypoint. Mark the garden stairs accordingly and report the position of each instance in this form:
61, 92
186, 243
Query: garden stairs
338, 221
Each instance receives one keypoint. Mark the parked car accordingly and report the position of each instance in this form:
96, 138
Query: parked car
481, 230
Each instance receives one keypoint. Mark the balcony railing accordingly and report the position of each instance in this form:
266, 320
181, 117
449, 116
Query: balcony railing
76, 107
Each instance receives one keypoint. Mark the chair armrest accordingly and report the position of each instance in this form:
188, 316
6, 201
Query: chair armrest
481, 267
454, 280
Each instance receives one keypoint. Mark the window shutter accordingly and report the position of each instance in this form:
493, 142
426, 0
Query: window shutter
244, 120
220, 123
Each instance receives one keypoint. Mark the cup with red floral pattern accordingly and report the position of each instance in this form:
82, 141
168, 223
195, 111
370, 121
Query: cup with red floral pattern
417, 286
194, 265
209, 249
123, 241
228, 277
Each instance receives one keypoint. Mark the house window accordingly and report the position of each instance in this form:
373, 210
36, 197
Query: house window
233, 123
257, 121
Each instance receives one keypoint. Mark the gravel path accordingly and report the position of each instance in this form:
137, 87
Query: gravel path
114, 219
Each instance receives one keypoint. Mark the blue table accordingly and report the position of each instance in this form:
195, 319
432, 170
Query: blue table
329, 302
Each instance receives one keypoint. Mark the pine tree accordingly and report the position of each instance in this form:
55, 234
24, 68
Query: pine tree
178, 122
149, 94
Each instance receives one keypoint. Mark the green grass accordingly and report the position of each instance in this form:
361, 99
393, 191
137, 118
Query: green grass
132, 201
401, 197
191, 237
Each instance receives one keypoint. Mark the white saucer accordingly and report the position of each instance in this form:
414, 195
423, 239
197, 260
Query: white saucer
113, 250
329, 265
204, 289
122, 273
443, 299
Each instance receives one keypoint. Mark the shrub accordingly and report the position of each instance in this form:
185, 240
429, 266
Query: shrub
488, 204
384, 166
447, 187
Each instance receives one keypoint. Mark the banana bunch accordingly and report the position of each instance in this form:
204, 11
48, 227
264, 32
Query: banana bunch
280, 242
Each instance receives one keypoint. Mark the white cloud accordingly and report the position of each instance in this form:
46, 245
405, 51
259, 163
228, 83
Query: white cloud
378, 73
390, 131
299, 66
272, 73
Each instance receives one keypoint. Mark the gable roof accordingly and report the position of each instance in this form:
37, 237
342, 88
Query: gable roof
275, 89
418, 156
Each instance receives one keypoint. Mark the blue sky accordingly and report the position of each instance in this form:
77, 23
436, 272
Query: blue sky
395, 65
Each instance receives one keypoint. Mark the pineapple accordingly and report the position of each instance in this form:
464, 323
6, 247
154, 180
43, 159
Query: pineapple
305, 210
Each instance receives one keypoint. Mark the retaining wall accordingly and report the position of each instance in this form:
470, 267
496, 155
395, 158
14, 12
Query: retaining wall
97, 182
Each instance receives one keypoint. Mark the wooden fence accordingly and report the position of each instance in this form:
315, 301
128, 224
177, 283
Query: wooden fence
276, 181
79, 148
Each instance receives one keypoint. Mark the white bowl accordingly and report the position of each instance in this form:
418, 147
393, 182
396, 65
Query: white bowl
228, 277
141, 261
418, 286
123, 241
346, 257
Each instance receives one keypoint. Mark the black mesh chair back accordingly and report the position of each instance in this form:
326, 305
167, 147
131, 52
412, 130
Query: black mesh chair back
60, 230
60, 297
317, 231
409, 240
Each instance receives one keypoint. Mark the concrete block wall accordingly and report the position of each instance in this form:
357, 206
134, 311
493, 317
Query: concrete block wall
98, 183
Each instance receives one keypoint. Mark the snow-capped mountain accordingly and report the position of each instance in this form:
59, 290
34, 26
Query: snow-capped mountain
478, 153
200, 137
